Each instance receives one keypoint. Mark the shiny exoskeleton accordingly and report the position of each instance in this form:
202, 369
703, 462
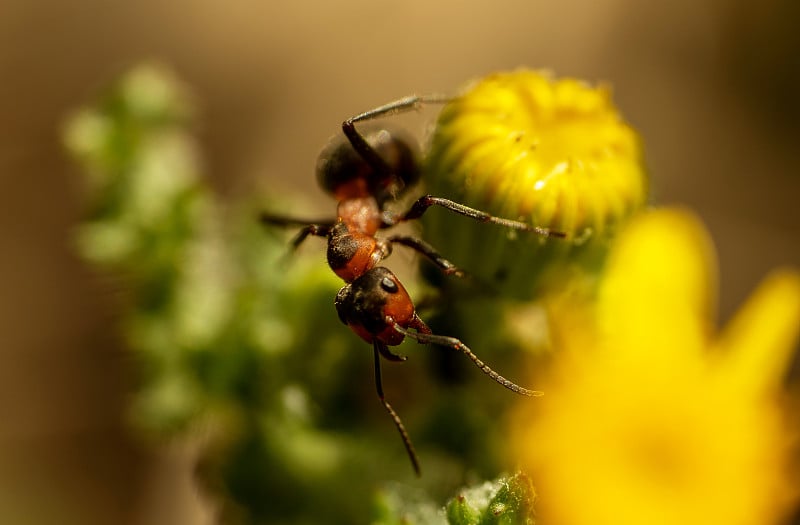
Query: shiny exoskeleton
364, 173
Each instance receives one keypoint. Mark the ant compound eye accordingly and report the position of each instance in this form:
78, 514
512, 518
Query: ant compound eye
389, 285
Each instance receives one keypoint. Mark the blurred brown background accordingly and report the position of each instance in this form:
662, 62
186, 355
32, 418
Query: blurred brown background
712, 86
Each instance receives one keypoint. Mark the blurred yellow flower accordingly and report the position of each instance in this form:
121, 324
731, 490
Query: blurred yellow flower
649, 416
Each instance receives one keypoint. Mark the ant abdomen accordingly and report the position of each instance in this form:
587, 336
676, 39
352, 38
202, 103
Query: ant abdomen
345, 174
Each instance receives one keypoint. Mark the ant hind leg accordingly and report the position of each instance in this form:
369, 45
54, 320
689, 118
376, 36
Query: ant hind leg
402, 105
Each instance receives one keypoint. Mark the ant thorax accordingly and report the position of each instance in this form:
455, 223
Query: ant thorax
361, 214
351, 252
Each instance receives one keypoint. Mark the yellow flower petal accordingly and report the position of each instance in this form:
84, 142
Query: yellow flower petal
659, 286
756, 346
642, 421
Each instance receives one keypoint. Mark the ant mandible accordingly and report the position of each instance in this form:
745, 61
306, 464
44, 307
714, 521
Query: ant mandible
364, 173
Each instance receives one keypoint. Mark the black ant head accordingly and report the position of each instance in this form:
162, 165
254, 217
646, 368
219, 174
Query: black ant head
366, 304
345, 174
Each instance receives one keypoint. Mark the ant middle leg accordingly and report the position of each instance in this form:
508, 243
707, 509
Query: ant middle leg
423, 203
360, 144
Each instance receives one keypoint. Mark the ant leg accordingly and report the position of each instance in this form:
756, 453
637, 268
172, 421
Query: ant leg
423, 203
380, 349
452, 342
315, 228
412, 102
429, 252
389, 355
312, 229
283, 221
360, 144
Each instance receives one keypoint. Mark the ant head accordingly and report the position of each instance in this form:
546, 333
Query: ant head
366, 304
345, 174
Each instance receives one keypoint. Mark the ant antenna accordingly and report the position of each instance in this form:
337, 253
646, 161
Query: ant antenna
380, 349
452, 342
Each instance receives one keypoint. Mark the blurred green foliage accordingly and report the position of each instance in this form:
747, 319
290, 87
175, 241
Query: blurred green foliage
238, 345
504, 501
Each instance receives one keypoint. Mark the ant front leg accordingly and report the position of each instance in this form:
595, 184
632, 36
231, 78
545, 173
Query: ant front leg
423, 203
429, 252
381, 349
388, 354
360, 144
316, 228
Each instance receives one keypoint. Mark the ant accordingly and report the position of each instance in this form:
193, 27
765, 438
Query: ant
363, 173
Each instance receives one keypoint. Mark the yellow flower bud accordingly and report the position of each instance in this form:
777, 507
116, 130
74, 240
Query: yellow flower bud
554, 153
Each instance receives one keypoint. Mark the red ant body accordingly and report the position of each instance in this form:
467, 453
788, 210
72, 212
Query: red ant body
363, 173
